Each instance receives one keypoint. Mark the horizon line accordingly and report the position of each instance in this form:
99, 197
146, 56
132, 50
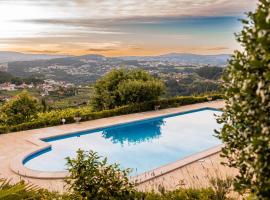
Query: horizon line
147, 55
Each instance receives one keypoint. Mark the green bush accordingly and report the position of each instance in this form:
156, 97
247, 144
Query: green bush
246, 116
181, 194
23, 191
53, 118
93, 178
121, 87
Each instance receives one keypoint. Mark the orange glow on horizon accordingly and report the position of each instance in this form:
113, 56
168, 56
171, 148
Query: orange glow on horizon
128, 52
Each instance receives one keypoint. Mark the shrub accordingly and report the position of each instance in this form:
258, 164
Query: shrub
23, 191
93, 178
137, 91
122, 87
221, 187
181, 194
246, 130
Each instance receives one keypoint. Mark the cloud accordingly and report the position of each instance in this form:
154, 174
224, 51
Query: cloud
43, 51
99, 50
110, 9
106, 25
217, 48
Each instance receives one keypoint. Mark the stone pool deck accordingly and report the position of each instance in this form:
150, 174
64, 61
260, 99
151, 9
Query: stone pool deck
193, 171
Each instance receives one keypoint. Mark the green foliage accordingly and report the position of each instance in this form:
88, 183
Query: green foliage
44, 105
191, 84
22, 191
181, 194
93, 178
16, 191
136, 91
246, 130
120, 87
212, 73
22, 108
221, 187
6, 77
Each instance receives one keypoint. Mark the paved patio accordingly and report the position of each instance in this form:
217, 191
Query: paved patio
194, 171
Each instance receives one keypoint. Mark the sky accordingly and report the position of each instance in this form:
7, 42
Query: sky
121, 27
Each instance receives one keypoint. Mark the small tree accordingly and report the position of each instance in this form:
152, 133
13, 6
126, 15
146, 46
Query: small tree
121, 87
93, 178
246, 117
21, 108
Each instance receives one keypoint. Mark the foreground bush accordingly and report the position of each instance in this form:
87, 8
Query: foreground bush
54, 118
93, 178
22, 191
246, 117
181, 194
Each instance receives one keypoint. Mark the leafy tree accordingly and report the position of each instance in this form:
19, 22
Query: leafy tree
21, 108
93, 178
7, 77
246, 130
121, 87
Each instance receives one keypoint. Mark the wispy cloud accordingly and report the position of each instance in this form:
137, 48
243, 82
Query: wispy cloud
119, 25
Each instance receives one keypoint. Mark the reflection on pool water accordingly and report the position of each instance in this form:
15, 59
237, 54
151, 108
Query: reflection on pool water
142, 146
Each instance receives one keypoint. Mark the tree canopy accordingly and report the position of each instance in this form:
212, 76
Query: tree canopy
121, 87
7, 77
208, 72
246, 130
21, 108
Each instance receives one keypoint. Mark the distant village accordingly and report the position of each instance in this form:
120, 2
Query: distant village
48, 87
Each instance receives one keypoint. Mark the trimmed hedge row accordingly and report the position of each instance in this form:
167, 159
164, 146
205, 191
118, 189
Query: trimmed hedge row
54, 118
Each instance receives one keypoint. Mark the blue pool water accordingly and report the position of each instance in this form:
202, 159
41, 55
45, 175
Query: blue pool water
142, 146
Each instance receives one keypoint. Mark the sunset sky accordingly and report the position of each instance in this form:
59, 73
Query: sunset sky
121, 27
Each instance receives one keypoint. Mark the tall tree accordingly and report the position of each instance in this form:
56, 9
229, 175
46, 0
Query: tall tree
246, 117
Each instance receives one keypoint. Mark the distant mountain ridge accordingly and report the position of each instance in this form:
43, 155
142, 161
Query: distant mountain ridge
194, 59
88, 68
10, 56
219, 59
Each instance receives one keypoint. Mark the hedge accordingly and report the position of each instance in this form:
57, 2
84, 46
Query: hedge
54, 118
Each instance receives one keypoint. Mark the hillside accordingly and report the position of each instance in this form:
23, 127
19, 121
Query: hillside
88, 68
9, 56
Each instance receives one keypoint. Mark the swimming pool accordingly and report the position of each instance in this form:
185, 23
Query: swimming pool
142, 145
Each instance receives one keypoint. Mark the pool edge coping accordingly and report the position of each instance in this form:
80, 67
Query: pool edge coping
170, 167
18, 167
